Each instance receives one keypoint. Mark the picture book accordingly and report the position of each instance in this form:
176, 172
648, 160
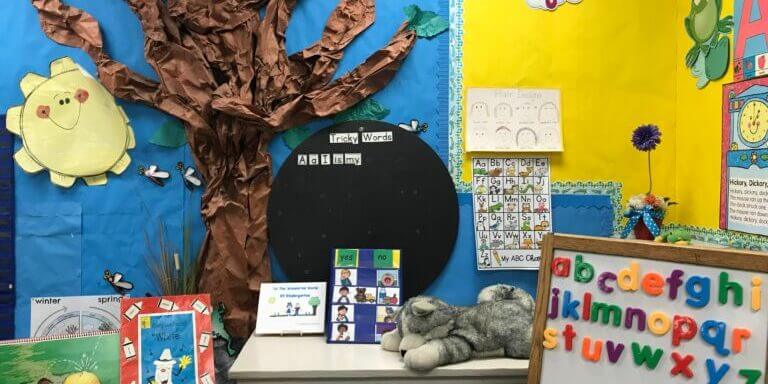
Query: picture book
51, 316
364, 295
72, 359
513, 211
166, 339
286, 308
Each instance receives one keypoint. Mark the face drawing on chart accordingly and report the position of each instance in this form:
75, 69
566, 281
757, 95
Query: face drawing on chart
526, 113
502, 111
549, 114
526, 138
504, 135
479, 111
550, 137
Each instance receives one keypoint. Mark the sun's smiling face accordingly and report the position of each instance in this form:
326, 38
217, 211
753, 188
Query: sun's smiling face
64, 108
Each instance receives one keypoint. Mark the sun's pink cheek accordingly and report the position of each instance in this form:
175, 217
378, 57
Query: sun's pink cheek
81, 95
43, 111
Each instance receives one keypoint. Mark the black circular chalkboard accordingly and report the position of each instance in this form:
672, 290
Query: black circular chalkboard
401, 196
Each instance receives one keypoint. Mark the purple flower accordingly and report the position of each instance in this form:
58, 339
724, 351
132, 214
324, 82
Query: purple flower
646, 137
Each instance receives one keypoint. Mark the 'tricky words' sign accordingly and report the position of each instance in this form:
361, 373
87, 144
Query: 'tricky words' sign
612, 311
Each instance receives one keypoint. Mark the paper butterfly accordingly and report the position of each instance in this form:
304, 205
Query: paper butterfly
154, 175
414, 126
116, 281
189, 175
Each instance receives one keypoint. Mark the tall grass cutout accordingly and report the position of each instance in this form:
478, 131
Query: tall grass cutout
174, 274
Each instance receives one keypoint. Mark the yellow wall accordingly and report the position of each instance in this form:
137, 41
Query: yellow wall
699, 135
615, 63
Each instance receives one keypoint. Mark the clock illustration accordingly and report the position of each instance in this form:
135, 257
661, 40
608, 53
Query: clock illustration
753, 123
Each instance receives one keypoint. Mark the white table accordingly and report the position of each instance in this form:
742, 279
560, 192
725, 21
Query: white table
308, 359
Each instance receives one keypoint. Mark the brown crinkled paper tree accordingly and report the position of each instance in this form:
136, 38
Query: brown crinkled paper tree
225, 74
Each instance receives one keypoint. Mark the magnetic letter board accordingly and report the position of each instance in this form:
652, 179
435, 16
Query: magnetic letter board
633, 312
364, 295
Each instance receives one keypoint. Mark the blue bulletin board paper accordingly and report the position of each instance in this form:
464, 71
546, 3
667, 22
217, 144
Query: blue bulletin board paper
66, 238
586, 215
108, 223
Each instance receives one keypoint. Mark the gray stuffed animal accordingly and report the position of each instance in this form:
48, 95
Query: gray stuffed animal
431, 333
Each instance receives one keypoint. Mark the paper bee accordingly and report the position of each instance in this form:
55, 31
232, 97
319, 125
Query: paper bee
116, 281
414, 127
154, 174
189, 175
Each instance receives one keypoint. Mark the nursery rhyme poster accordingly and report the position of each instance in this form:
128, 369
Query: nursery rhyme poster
744, 184
513, 211
632, 321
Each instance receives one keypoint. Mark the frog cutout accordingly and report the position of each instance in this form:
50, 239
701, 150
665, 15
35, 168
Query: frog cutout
709, 57
70, 126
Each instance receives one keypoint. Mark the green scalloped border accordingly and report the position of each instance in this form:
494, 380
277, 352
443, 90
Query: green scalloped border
455, 96
724, 238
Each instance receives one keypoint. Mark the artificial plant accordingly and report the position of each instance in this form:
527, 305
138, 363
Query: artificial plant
645, 212
224, 72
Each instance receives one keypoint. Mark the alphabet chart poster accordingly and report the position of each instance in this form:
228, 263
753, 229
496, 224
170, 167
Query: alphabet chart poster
365, 295
514, 120
612, 311
513, 211
166, 339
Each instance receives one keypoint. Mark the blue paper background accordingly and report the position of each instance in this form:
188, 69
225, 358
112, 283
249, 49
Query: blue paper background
67, 237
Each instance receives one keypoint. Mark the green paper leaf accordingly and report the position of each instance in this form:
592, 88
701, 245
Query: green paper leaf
368, 109
426, 23
294, 136
171, 134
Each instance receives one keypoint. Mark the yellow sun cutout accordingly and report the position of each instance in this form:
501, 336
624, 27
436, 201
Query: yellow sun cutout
70, 125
